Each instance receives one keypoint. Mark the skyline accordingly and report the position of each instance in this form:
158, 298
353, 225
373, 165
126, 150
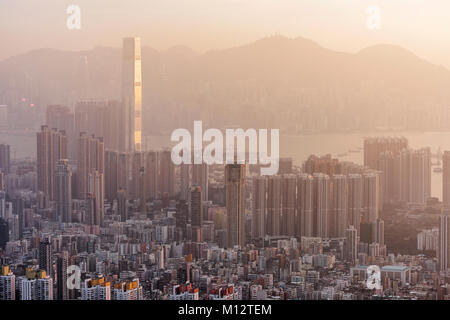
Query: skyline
136, 174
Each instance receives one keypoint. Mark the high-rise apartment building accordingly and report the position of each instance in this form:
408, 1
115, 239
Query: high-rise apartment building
5, 158
415, 168
4, 233
322, 205
62, 263
390, 178
128, 290
7, 284
51, 147
45, 257
305, 209
259, 207
63, 191
61, 118
196, 212
235, 203
36, 285
289, 204
351, 244
96, 289
339, 207
371, 200
91, 157
274, 203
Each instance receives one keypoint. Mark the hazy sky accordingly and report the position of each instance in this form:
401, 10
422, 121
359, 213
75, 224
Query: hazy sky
423, 26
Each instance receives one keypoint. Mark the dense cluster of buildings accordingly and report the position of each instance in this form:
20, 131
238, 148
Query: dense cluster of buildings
97, 216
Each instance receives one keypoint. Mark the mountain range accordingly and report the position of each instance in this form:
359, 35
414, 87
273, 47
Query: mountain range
291, 83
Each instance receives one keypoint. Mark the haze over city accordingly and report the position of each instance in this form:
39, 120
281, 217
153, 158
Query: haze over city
127, 131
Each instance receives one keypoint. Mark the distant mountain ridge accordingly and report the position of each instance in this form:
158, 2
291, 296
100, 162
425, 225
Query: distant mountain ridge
274, 81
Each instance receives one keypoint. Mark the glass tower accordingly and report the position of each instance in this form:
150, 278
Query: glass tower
132, 95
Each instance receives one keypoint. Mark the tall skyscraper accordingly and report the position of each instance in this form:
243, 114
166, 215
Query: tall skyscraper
321, 205
45, 257
274, 202
351, 244
196, 208
339, 209
371, 194
61, 118
444, 242
355, 200
63, 191
5, 158
305, 218
415, 167
132, 93
289, 204
4, 233
390, 179
51, 147
259, 207
62, 264
379, 231
235, 203
91, 157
